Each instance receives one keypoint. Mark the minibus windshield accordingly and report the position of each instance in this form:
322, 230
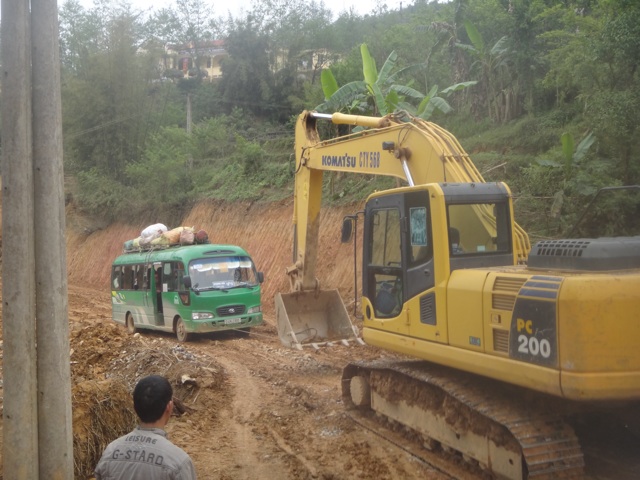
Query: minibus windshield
222, 273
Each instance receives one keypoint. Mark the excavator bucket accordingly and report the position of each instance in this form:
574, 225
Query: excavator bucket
313, 318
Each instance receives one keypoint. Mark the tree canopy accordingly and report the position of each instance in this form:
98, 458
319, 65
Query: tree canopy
525, 76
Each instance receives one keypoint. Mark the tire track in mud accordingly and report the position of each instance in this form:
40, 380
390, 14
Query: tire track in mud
246, 394
244, 457
286, 413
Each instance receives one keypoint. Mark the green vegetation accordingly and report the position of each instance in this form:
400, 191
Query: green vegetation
544, 95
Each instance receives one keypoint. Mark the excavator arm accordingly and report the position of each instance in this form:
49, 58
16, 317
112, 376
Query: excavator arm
408, 148
397, 145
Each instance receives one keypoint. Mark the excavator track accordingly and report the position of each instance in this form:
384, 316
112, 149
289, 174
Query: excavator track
509, 432
448, 466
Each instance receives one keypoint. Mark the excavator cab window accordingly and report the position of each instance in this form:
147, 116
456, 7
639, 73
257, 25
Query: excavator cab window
397, 249
418, 233
386, 262
478, 229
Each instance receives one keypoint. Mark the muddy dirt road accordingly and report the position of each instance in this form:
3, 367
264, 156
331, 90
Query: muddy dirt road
254, 409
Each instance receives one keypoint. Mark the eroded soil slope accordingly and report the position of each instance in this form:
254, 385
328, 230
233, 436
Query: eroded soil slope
264, 230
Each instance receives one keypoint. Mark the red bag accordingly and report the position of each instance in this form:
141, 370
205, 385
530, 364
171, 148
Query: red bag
202, 237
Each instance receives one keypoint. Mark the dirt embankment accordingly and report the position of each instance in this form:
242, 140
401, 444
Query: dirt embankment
264, 230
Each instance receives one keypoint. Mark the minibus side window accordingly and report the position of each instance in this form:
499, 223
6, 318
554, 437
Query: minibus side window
139, 280
128, 277
173, 275
115, 277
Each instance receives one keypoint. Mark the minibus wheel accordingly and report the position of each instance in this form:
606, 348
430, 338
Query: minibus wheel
181, 330
131, 327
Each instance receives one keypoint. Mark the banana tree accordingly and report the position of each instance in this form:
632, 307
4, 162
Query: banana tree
490, 63
379, 94
370, 95
571, 164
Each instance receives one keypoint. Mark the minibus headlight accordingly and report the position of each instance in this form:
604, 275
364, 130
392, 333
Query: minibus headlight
201, 315
257, 309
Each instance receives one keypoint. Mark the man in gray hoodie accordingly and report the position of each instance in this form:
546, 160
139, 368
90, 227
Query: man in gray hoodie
146, 453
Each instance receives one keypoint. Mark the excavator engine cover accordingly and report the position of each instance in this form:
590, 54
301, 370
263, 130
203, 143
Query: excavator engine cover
313, 318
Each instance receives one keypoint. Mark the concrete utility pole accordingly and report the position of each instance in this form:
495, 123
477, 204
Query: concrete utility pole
37, 432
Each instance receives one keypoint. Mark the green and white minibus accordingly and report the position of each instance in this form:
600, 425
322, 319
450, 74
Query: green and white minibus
186, 289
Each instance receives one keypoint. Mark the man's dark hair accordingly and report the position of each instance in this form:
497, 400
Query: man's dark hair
151, 396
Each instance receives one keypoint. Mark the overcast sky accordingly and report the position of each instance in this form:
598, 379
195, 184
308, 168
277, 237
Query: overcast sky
222, 7
336, 6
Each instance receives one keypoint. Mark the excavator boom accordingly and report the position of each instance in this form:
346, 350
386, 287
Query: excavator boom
408, 148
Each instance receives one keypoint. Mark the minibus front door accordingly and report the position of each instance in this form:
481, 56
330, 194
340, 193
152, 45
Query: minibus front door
157, 291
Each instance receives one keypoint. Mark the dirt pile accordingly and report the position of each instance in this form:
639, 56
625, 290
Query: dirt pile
101, 412
106, 363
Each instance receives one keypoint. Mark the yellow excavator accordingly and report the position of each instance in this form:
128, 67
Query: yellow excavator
508, 340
